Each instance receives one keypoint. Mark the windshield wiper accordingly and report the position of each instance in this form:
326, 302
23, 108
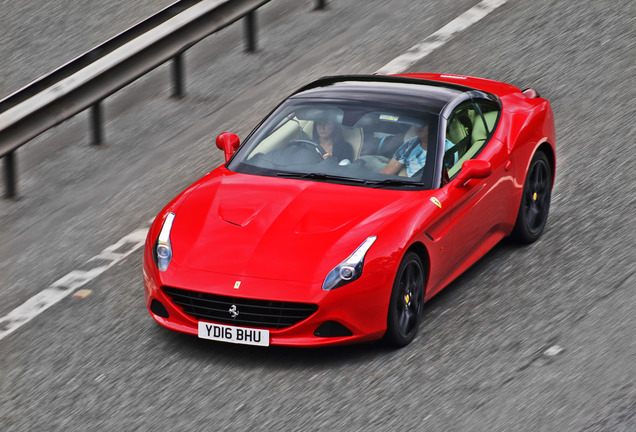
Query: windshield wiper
319, 176
374, 183
393, 182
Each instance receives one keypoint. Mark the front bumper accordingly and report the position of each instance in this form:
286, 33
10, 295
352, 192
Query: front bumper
360, 307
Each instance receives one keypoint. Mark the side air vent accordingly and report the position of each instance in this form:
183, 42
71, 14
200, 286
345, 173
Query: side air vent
332, 329
158, 309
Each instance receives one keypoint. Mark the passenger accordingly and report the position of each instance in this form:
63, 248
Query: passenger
328, 133
411, 154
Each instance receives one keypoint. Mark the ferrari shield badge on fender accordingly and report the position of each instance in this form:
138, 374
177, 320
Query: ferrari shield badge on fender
237, 284
436, 202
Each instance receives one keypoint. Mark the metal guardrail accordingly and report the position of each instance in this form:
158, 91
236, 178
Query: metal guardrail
86, 81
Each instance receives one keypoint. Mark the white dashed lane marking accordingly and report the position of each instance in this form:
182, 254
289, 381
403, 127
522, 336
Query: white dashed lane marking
76, 279
71, 282
441, 36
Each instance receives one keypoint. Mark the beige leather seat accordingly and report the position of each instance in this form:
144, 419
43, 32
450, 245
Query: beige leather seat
477, 139
355, 137
479, 134
456, 131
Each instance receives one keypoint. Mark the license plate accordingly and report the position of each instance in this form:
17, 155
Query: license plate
232, 334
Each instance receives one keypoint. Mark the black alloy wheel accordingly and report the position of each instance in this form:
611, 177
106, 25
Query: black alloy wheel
535, 202
407, 300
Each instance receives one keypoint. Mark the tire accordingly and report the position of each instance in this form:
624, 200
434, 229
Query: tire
535, 201
407, 299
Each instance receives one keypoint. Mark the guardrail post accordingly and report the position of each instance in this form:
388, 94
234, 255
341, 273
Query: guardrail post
9, 174
96, 123
250, 31
320, 4
178, 79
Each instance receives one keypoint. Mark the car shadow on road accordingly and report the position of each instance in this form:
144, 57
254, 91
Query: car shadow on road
274, 356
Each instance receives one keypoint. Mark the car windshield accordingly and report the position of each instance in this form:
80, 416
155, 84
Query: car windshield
351, 142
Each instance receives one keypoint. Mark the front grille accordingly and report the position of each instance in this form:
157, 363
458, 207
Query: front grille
251, 312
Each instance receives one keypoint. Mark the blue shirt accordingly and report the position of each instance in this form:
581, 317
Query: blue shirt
413, 156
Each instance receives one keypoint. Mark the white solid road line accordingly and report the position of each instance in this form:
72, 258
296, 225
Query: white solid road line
440, 37
135, 240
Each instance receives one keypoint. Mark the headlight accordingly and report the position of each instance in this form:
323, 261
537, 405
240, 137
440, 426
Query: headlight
350, 269
162, 252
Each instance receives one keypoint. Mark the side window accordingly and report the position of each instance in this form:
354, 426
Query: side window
468, 129
459, 130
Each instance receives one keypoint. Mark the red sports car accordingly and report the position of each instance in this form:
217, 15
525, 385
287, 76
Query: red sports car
354, 202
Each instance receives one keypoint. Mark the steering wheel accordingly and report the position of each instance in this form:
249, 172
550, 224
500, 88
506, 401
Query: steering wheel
307, 144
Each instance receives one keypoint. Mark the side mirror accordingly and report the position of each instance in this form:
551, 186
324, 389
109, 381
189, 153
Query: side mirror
228, 142
471, 169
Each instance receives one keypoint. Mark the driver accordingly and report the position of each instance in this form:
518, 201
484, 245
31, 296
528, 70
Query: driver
328, 133
411, 154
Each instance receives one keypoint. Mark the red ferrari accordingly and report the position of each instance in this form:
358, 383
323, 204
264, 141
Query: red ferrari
354, 202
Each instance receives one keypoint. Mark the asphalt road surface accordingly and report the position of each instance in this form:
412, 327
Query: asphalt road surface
537, 338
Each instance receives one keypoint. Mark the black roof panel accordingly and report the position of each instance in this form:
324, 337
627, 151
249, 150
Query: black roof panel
427, 95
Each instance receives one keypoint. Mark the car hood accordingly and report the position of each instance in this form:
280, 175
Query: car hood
273, 228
